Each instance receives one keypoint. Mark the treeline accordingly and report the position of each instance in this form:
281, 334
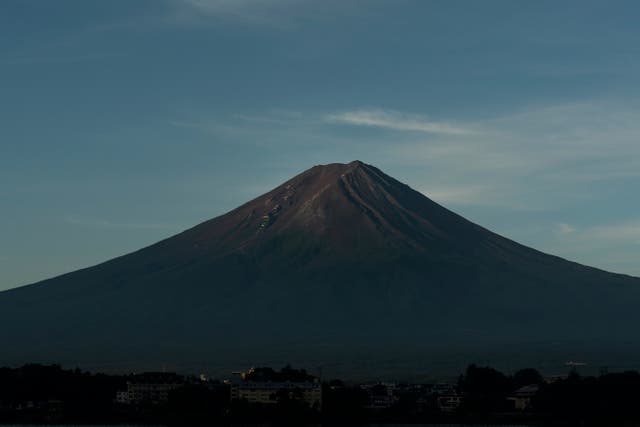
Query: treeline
607, 399
50, 394
39, 393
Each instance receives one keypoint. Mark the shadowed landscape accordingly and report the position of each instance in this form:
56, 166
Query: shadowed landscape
187, 238
342, 268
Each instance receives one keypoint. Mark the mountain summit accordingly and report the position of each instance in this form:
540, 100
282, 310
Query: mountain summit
340, 266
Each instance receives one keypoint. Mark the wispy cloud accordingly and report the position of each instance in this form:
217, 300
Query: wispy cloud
107, 224
598, 236
613, 246
563, 143
464, 194
535, 159
396, 120
563, 228
270, 13
619, 232
235, 7
489, 196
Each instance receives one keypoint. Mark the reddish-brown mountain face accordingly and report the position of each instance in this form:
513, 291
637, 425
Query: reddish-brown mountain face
344, 211
346, 208
340, 259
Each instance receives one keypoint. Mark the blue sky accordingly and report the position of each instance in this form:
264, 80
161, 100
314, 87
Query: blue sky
125, 121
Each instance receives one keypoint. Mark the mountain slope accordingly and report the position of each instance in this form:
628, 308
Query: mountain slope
340, 259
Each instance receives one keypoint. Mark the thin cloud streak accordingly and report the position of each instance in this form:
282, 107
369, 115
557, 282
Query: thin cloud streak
563, 228
499, 162
625, 231
395, 120
467, 194
273, 14
588, 238
235, 7
565, 143
491, 196
612, 246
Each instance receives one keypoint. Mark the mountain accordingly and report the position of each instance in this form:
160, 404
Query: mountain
342, 267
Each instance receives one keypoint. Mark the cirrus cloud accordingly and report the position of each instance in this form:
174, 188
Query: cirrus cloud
396, 120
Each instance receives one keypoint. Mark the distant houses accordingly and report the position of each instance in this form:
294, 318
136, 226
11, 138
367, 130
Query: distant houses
273, 392
38, 394
149, 388
381, 395
266, 386
262, 386
442, 397
522, 397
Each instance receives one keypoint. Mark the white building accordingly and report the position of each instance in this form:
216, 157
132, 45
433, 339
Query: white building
522, 397
149, 387
267, 392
